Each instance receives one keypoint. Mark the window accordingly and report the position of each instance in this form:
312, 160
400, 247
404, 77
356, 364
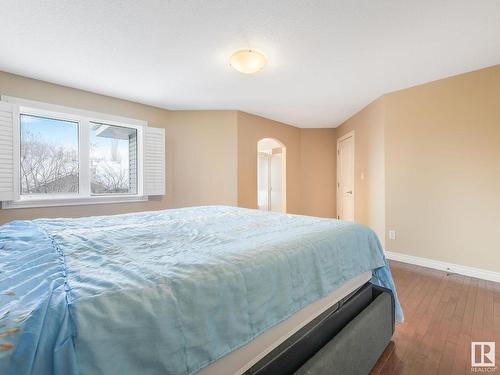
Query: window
49, 156
113, 159
55, 155
67, 156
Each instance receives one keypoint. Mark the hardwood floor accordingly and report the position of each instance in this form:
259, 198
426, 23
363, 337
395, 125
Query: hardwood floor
443, 314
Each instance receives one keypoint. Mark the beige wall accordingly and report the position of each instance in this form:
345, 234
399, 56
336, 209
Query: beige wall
318, 172
251, 129
443, 169
201, 149
204, 152
438, 146
211, 155
310, 164
369, 170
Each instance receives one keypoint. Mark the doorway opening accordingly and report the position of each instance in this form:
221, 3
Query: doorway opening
271, 175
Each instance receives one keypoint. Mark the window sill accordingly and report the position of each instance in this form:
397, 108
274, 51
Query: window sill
32, 203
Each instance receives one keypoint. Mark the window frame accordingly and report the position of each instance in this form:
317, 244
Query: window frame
84, 119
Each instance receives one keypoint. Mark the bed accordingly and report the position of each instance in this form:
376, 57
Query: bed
168, 292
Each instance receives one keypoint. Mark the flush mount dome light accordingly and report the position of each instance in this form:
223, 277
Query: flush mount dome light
247, 61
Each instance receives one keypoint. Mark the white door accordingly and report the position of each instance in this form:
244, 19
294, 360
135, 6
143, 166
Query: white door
276, 185
345, 177
263, 182
270, 182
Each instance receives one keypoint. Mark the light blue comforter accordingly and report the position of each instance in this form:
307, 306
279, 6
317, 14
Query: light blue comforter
164, 292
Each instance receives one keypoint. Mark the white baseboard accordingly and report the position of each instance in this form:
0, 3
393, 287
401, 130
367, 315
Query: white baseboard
445, 266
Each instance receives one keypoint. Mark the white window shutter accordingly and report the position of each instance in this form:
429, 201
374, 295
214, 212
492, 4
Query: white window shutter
9, 150
154, 161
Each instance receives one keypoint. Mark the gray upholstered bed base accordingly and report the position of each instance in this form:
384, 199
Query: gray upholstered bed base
356, 348
348, 339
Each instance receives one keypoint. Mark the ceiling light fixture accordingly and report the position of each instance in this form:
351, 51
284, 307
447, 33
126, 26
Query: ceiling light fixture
247, 61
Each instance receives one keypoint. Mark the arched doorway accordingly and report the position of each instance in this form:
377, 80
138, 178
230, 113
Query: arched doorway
271, 175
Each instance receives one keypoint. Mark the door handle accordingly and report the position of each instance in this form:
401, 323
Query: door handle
349, 192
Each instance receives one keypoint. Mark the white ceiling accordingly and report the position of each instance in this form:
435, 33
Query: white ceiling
327, 58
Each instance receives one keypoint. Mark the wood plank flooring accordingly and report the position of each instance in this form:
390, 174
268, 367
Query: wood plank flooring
443, 314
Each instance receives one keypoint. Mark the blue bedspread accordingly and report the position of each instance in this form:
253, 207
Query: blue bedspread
164, 292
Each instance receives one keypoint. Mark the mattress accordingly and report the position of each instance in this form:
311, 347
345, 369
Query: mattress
240, 360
